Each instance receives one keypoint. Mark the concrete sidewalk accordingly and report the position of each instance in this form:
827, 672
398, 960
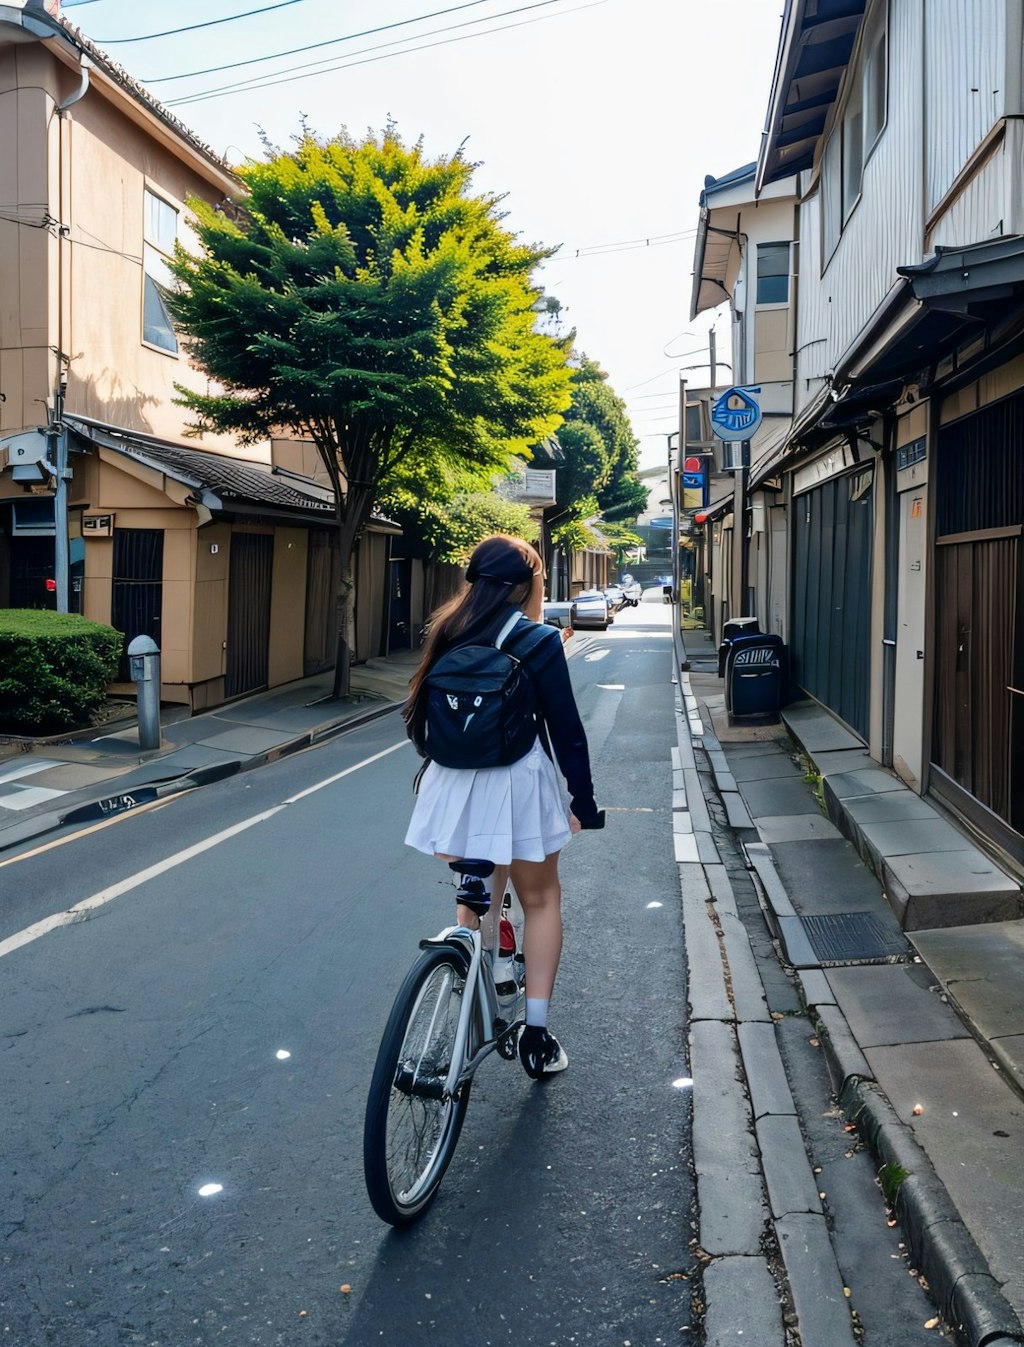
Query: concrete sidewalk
49, 783
907, 943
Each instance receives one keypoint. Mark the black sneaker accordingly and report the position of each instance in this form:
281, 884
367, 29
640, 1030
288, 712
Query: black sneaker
540, 1053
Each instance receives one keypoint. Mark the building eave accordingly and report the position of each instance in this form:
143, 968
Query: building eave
212, 484
813, 52
32, 23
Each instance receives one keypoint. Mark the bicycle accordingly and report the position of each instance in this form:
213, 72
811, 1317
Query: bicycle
449, 1015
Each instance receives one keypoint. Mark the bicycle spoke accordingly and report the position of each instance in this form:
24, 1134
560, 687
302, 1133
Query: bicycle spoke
419, 1118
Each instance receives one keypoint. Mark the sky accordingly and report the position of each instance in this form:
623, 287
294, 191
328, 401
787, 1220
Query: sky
597, 119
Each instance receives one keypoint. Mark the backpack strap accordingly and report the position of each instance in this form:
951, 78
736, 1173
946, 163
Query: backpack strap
525, 642
506, 628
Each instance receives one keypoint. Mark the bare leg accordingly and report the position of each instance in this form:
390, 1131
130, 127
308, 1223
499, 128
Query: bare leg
540, 893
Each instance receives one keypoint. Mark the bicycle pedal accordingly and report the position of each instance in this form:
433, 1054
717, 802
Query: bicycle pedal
507, 1037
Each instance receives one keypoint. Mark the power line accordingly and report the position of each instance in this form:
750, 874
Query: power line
305, 71
328, 42
191, 28
659, 241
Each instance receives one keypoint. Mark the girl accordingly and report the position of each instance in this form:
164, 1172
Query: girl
512, 816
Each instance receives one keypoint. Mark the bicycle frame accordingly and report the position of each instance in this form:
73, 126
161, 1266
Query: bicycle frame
482, 999
481, 1003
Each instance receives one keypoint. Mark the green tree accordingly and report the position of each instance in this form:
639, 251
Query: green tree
361, 296
620, 495
445, 512
599, 450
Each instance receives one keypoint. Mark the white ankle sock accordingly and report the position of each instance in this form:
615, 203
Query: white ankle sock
537, 1012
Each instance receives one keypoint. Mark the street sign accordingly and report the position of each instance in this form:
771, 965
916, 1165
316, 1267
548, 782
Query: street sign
694, 474
736, 414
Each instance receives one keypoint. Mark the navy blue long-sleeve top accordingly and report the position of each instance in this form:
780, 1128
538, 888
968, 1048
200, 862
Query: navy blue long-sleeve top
556, 704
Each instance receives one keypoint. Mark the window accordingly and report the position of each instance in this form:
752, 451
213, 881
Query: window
875, 84
831, 201
853, 150
160, 230
773, 273
858, 127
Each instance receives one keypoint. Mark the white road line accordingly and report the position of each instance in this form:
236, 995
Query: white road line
123, 886
347, 772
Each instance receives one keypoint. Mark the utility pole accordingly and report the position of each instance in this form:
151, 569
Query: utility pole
713, 358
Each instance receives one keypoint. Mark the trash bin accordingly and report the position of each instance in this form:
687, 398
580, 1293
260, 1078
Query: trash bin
736, 626
754, 676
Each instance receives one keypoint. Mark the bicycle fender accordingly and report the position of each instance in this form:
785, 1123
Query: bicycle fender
451, 940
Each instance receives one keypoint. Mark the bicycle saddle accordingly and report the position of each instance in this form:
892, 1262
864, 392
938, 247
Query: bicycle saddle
478, 869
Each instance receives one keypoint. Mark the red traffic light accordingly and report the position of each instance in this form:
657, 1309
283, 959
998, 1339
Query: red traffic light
51, 586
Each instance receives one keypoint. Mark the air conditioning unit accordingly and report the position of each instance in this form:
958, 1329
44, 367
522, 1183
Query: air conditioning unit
735, 455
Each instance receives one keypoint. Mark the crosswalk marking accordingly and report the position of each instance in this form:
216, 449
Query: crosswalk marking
13, 795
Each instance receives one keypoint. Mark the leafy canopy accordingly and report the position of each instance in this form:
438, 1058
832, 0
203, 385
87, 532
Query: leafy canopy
598, 467
362, 296
444, 512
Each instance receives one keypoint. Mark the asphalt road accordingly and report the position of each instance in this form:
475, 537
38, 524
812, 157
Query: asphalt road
215, 1019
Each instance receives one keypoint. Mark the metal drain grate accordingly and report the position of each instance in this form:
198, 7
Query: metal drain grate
854, 937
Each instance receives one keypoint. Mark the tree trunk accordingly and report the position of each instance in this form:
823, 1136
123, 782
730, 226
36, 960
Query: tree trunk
350, 526
344, 613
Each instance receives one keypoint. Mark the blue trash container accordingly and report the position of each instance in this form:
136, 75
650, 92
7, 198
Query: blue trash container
755, 676
736, 626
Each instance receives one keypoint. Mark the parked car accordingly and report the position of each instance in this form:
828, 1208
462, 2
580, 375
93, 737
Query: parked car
591, 609
557, 613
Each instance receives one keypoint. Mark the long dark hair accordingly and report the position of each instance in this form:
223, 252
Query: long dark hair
502, 574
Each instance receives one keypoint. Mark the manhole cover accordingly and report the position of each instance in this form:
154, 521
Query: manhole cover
854, 937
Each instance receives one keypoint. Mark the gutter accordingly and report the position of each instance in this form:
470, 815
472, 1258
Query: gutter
73, 51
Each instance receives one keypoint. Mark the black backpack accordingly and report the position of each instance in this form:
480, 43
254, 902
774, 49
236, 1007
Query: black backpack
480, 705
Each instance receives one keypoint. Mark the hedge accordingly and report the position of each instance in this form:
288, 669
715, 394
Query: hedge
54, 669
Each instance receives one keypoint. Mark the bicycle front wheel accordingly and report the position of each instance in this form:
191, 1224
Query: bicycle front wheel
412, 1125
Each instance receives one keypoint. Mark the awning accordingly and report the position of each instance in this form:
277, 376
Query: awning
716, 255
715, 510
814, 48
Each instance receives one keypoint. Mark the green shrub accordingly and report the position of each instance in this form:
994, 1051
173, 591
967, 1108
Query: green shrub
54, 669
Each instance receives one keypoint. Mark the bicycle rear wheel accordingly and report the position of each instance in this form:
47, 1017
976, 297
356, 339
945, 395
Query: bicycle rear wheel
411, 1126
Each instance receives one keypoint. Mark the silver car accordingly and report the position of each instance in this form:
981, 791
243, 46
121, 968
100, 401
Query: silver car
591, 609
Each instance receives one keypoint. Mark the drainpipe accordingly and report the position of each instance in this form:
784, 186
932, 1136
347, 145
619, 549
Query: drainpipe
83, 86
56, 431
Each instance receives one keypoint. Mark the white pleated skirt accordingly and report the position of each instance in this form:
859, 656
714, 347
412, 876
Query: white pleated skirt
499, 814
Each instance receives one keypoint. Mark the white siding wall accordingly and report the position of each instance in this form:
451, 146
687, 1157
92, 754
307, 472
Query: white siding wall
993, 202
935, 120
965, 83
885, 228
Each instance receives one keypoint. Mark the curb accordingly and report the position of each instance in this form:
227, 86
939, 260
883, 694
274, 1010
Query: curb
163, 788
682, 659
958, 1276
957, 1273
